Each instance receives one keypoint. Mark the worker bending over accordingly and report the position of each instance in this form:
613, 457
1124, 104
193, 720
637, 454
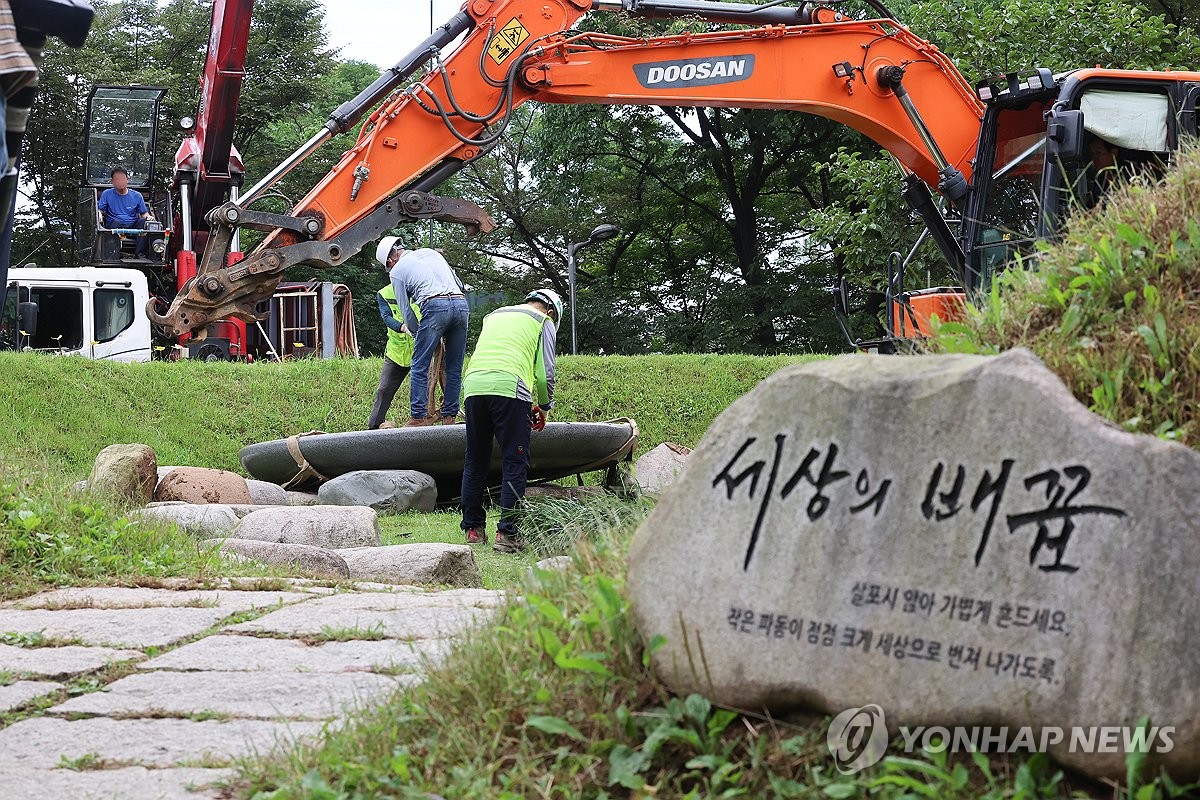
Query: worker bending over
422, 277
397, 358
509, 388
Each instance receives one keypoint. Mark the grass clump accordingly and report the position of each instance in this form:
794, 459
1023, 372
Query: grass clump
352, 633
50, 539
553, 527
1114, 307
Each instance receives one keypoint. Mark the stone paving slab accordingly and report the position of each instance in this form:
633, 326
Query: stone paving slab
43, 742
55, 662
246, 695
149, 729
414, 622
18, 694
131, 783
257, 654
418, 599
230, 601
116, 627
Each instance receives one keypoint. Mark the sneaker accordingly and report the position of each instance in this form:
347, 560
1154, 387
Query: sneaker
449, 420
476, 536
387, 426
420, 423
506, 543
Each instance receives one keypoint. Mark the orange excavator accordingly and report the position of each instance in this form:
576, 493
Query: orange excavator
1008, 158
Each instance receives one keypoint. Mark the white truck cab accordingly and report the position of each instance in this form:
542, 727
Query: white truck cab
93, 312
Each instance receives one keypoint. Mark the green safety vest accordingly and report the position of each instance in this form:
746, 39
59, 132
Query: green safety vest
509, 354
399, 345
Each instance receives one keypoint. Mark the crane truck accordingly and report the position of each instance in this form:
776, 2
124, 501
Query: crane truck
73, 310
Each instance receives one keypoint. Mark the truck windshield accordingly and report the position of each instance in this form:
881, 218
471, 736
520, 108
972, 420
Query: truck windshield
1007, 221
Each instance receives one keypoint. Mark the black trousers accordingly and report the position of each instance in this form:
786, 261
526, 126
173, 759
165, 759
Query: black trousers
389, 382
505, 419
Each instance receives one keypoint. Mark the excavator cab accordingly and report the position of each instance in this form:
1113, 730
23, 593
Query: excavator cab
121, 130
1050, 147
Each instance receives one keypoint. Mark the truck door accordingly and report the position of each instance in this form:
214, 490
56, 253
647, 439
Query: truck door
9, 335
62, 319
1187, 111
121, 329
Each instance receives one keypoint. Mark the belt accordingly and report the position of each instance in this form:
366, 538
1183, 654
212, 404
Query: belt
444, 297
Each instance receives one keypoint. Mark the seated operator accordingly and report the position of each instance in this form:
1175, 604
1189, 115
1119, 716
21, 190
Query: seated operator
123, 207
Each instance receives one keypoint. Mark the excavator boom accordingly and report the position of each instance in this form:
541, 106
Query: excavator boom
800, 58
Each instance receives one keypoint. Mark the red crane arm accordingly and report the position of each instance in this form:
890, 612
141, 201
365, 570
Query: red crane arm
207, 159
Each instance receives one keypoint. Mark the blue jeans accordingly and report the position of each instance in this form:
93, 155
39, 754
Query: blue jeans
442, 318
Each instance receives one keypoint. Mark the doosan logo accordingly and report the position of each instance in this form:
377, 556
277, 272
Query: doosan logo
694, 72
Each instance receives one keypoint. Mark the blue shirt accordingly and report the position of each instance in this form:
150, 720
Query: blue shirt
121, 210
418, 276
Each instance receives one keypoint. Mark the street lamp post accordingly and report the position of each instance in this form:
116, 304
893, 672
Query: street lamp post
601, 233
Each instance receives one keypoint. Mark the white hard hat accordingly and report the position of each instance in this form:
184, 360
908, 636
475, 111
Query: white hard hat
549, 298
385, 248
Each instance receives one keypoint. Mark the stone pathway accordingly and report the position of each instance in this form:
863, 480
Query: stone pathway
152, 693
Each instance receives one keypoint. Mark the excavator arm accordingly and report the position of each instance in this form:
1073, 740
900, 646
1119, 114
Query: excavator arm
872, 75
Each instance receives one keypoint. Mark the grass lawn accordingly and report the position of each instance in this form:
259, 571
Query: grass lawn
57, 413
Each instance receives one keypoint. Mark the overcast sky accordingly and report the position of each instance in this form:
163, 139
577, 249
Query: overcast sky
382, 32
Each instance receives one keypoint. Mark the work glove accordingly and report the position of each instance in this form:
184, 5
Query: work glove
537, 418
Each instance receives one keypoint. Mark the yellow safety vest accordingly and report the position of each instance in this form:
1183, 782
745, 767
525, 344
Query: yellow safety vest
399, 345
508, 355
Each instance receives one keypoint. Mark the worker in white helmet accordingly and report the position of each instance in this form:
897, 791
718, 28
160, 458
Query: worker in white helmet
397, 357
423, 279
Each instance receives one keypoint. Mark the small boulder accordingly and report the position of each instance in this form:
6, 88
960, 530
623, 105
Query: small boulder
311, 561
320, 526
556, 563
302, 499
390, 491
199, 485
79, 487
442, 564
263, 493
125, 470
202, 521
658, 469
